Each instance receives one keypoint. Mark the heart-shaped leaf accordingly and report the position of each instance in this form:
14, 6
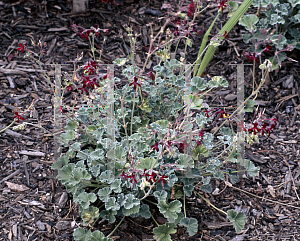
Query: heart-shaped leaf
170, 211
239, 219
191, 225
162, 232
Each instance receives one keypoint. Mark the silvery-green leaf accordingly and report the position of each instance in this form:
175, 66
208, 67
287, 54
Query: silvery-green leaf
81, 234
283, 8
147, 163
162, 232
239, 219
109, 215
116, 186
188, 189
219, 175
130, 211
294, 2
249, 21
89, 214
252, 170
186, 161
276, 19
170, 210
79, 174
96, 169
65, 172
103, 194
111, 204
206, 180
206, 188
278, 40
107, 176
207, 140
86, 198
130, 201
198, 83
144, 211
61, 161
161, 195
99, 236
191, 225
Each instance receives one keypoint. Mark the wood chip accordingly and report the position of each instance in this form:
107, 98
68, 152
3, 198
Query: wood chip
16, 187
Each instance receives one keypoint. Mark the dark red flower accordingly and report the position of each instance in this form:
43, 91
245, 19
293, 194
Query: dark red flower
176, 32
152, 75
275, 120
169, 143
241, 127
267, 49
180, 147
264, 129
206, 113
255, 129
252, 57
191, 10
18, 117
89, 68
155, 147
124, 175
135, 83
83, 89
70, 88
162, 179
21, 48
222, 4
225, 35
150, 177
222, 114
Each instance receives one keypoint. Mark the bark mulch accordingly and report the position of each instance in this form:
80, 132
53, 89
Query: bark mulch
35, 206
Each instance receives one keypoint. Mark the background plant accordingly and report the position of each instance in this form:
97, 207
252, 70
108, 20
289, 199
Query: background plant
274, 30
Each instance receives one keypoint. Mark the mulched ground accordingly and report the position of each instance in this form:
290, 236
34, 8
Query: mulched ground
44, 211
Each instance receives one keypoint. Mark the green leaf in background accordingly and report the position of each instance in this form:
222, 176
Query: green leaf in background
103, 194
249, 21
217, 81
294, 2
69, 135
206, 188
200, 150
98, 236
188, 189
196, 102
61, 161
161, 195
147, 163
219, 175
65, 172
186, 161
81, 234
249, 105
111, 204
89, 214
170, 211
239, 219
276, 19
109, 215
252, 170
198, 83
162, 232
191, 225
79, 174
279, 41
86, 198
120, 61
144, 211
70, 126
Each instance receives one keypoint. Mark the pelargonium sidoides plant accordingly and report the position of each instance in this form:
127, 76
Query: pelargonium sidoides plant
161, 150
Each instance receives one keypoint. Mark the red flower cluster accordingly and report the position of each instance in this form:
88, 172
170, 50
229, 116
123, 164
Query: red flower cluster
84, 33
18, 117
191, 10
222, 4
252, 57
201, 135
135, 83
150, 176
265, 127
21, 48
181, 29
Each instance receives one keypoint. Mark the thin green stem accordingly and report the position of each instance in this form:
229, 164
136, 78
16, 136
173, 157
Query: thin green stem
116, 227
209, 203
184, 211
154, 220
